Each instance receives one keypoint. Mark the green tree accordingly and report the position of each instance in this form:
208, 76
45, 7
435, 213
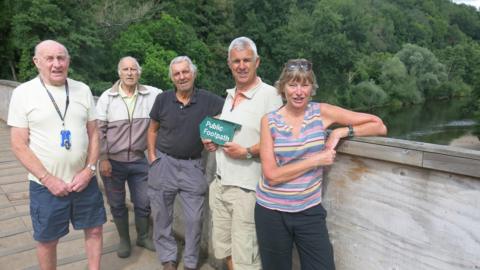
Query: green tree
424, 67
366, 95
398, 84
212, 21
467, 18
369, 67
318, 36
156, 42
260, 21
381, 35
114, 16
66, 21
7, 49
350, 42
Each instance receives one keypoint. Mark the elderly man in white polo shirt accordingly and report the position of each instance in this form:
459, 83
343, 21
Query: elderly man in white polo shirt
54, 136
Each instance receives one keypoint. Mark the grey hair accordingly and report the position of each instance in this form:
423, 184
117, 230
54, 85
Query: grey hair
243, 43
179, 59
139, 68
42, 43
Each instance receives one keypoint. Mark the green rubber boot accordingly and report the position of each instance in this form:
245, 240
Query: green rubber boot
124, 247
144, 239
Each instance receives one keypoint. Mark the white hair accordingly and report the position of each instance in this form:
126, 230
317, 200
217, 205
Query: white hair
139, 68
243, 43
45, 42
179, 59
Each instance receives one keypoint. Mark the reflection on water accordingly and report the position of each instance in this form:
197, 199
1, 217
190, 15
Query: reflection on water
439, 122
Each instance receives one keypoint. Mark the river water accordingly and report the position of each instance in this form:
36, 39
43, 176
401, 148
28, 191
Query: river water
448, 122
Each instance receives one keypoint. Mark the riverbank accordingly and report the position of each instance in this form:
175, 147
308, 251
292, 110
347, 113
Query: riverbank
467, 141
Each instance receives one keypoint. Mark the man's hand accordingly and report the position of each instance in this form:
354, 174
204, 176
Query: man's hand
151, 158
105, 168
209, 145
234, 150
56, 185
81, 180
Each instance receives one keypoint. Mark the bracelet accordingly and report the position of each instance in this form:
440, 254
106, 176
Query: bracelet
351, 132
43, 176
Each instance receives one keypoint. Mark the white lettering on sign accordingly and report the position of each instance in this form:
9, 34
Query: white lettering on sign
215, 135
214, 126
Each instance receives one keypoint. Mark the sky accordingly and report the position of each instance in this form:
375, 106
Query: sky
475, 3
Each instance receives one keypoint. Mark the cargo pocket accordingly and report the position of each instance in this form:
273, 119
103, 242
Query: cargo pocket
201, 185
37, 198
245, 246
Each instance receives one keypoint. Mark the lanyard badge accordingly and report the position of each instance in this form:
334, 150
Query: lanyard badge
65, 135
65, 139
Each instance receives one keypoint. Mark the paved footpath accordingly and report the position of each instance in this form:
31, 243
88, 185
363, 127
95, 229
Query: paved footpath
17, 247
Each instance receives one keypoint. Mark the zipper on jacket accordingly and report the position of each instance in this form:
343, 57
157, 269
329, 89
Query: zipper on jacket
130, 121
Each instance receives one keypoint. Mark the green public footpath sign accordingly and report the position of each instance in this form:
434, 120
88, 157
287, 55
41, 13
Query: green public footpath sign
217, 130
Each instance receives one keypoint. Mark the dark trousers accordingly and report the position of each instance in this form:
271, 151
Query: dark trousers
277, 231
135, 173
169, 177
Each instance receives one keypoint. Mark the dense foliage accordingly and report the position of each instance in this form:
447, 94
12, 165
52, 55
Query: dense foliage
366, 53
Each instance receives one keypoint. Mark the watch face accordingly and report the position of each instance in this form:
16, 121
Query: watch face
249, 153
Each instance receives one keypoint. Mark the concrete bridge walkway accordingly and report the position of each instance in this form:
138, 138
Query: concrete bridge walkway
17, 247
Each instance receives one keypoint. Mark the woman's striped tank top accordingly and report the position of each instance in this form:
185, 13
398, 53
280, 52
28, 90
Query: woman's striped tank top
305, 191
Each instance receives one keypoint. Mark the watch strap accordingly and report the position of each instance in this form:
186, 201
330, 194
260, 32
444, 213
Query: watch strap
351, 132
92, 168
249, 153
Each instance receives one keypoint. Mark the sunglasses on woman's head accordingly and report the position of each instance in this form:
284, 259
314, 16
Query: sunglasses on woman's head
299, 65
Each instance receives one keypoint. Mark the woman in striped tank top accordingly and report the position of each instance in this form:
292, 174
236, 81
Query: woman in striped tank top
294, 149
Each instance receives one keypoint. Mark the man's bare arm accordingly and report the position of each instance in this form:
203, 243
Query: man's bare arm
19, 141
152, 140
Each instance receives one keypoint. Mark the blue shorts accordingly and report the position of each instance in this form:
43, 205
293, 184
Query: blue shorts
51, 215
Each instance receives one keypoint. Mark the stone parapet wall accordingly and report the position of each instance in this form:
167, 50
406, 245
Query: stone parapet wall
6, 89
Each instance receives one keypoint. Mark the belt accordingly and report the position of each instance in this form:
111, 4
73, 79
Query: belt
183, 158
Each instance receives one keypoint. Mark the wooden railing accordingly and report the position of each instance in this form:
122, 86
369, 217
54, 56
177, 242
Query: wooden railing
392, 204
395, 204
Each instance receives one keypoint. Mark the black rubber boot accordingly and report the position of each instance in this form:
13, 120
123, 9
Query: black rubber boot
124, 247
144, 239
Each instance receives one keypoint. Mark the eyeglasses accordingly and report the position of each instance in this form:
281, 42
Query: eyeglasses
299, 65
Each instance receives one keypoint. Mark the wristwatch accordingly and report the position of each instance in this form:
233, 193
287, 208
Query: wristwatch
92, 168
351, 133
249, 153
